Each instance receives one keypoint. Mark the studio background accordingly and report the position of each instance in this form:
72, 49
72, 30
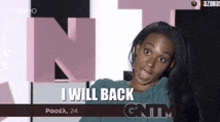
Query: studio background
115, 30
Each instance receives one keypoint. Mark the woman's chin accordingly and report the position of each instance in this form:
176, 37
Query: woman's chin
143, 81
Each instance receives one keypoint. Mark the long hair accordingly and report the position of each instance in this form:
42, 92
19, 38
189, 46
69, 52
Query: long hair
179, 89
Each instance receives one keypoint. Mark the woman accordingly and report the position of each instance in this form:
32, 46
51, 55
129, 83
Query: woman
159, 60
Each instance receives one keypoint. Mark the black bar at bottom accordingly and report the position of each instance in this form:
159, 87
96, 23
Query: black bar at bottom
77, 110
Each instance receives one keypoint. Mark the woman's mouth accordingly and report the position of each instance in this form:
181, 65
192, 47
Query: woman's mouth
144, 74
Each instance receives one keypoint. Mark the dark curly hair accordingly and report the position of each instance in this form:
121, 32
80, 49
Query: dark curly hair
180, 91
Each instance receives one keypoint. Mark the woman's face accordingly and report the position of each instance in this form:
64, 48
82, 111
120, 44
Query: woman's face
154, 56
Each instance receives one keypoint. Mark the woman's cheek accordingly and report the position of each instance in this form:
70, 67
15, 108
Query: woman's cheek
141, 62
160, 68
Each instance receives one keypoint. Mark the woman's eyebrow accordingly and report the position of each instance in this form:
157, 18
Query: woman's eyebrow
150, 44
162, 51
167, 53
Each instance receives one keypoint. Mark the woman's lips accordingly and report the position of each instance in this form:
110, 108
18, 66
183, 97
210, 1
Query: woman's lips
144, 74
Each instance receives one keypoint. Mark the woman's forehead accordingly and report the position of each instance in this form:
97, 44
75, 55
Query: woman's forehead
158, 38
159, 41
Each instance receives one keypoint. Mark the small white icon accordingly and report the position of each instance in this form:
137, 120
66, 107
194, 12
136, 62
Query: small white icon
34, 10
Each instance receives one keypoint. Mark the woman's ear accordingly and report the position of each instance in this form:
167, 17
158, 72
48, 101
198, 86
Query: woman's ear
137, 48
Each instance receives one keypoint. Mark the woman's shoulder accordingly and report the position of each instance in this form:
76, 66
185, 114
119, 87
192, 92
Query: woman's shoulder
108, 83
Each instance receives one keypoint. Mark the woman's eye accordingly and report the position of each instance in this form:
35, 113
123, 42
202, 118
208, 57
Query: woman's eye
146, 51
163, 60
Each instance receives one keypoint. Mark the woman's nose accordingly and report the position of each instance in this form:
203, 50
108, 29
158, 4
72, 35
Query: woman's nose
151, 62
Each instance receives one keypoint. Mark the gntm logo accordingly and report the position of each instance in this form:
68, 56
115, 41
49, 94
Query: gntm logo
149, 111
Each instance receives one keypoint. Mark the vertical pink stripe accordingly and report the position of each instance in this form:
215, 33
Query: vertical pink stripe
172, 17
30, 49
72, 29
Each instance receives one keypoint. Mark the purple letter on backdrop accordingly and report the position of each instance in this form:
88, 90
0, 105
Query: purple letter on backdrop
157, 10
48, 43
5, 96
